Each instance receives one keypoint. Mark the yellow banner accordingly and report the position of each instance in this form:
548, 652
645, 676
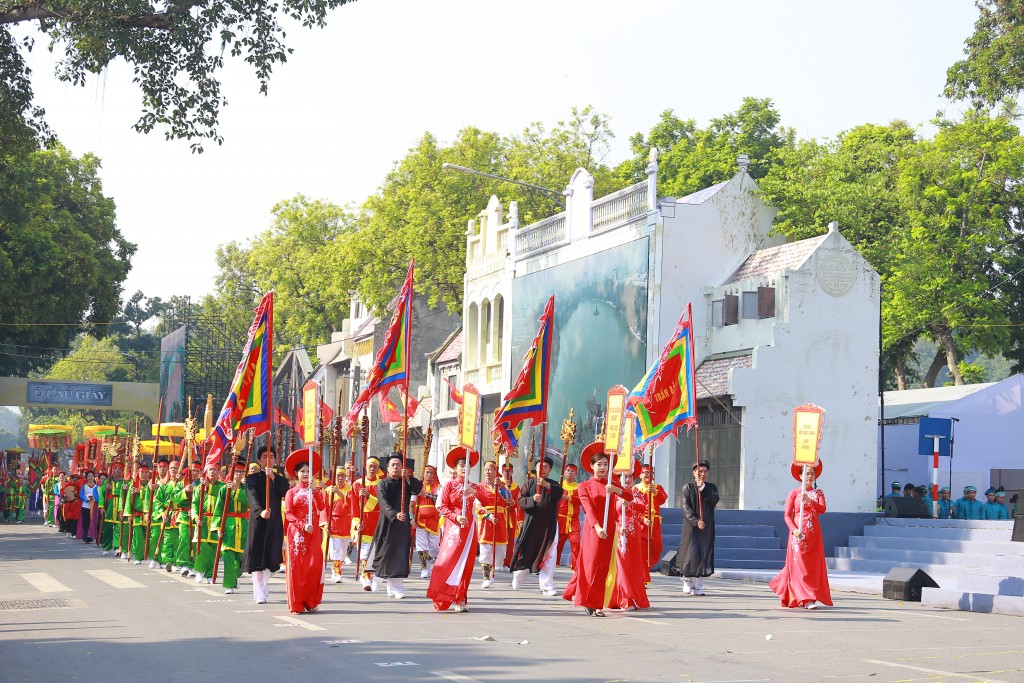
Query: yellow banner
468, 417
615, 409
807, 423
310, 394
624, 460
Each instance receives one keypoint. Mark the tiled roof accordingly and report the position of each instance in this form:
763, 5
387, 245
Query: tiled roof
701, 196
774, 259
451, 351
713, 375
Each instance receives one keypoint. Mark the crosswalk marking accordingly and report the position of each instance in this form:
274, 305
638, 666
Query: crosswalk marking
114, 579
45, 583
304, 624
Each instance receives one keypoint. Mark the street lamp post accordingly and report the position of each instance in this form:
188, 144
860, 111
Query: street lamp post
550, 194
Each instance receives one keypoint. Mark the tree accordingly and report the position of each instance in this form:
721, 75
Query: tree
62, 257
937, 218
692, 158
993, 71
176, 49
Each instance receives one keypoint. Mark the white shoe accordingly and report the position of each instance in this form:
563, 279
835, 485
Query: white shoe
347, 561
229, 591
698, 588
138, 561
515, 584
192, 573
200, 578
183, 571
374, 584
336, 578
209, 580
106, 552
486, 583
461, 607
152, 564
399, 596
687, 588
550, 592
424, 573
503, 568
175, 569
261, 602
811, 605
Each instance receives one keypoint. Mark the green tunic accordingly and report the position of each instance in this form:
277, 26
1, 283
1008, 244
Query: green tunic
204, 507
235, 528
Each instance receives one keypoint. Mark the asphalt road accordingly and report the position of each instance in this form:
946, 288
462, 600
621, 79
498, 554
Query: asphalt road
69, 614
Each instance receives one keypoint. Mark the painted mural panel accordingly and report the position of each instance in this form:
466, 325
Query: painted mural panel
600, 334
172, 374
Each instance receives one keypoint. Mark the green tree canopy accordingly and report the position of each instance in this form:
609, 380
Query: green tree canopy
993, 69
691, 158
938, 218
176, 49
62, 257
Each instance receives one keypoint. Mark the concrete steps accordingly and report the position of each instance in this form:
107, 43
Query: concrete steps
737, 546
976, 565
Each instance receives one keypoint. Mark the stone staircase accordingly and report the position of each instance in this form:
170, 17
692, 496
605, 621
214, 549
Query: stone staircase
976, 565
737, 546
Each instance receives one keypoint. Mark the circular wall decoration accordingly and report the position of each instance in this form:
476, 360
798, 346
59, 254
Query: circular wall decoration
836, 274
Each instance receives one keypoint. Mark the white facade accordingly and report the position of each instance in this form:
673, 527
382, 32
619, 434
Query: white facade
821, 345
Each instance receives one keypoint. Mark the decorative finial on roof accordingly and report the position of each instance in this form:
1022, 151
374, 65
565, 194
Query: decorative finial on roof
833, 226
744, 162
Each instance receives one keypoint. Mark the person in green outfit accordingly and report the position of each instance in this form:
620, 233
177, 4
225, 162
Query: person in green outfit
967, 507
946, 510
110, 502
160, 505
232, 524
204, 507
125, 537
142, 511
167, 535
184, 556
49, 496
20, 499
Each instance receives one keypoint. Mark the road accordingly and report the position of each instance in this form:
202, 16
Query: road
69, 614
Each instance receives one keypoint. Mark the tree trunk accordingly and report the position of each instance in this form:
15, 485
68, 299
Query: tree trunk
933, 369
901, 373
945, 338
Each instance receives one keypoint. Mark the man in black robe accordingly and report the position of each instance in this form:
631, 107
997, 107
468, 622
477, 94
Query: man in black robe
263, 545
534, 549
696, 557
391, 550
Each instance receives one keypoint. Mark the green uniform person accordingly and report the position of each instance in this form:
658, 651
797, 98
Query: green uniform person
184, 558
993, 509
968, 507
160, 506
20, 499
125, 536
49, 496
204, 507
110, 497
142, 511
232, 523
166, 500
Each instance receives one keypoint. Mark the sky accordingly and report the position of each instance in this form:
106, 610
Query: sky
354, 97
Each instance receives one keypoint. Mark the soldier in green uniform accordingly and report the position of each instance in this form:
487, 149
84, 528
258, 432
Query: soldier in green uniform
21, 499
125, 536
232, 523
163, 477
142, 511
166, 497
204, 507
183, 555
110, 495
49, 496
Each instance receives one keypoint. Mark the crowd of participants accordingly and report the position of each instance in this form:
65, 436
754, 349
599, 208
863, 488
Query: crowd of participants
968, 506
218, 524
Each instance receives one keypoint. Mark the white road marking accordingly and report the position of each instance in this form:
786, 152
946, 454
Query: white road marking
114, 579
451, 676
922, 614
204, 591
973, 677
45, 583
304, 624
650, 621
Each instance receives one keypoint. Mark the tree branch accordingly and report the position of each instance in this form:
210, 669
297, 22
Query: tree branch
36, 12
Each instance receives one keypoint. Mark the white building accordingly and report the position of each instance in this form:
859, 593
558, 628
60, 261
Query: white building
776, 325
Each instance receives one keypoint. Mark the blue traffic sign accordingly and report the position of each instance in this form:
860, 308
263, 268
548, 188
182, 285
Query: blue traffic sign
929, 428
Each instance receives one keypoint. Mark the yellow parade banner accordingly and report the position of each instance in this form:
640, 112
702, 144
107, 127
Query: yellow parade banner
310, 394
469, 416
807, 424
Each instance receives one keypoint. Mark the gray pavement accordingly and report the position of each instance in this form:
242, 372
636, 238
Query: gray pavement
69, 614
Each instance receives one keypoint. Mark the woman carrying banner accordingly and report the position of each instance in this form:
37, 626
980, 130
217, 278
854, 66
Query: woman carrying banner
803, 581
629, 591
305, 515
586, 588
449, 582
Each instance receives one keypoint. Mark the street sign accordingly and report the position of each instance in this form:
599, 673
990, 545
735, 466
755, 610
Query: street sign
929, 428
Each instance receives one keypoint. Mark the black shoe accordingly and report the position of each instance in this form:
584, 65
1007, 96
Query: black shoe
597, 613
589, 611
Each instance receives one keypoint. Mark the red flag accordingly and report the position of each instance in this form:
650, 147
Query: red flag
454, 394
411, 404
326, 413
388, 410
281, 418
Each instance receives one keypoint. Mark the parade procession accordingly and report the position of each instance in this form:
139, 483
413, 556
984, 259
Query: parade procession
239, 497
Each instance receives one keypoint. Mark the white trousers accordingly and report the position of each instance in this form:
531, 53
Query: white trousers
498, 549
428, 542
261, 585
338, 547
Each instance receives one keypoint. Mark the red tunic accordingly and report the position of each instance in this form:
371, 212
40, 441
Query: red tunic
805, 576
630, 566
493, 501
371, 510
569, 509
305, 579
427, 516
449, 582
586, 588
650, 534
340, 524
